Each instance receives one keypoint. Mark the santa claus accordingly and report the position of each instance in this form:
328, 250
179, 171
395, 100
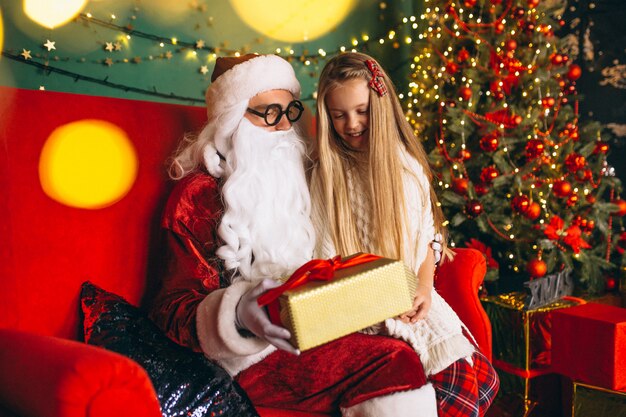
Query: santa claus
239, 218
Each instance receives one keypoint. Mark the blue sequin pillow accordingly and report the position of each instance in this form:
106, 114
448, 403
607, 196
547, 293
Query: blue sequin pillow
186, 383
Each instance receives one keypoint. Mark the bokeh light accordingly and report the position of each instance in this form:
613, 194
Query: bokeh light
87, 164
53, 13
293, 21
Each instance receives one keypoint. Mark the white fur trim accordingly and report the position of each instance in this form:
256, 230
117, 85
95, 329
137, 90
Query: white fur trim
421, 402
218, 336
247, 79
235, 365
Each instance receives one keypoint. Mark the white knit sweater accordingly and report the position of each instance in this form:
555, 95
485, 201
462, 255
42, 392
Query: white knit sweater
437, 338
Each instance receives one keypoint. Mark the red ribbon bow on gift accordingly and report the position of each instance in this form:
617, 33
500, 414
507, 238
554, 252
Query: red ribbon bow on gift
376, 83
314, 270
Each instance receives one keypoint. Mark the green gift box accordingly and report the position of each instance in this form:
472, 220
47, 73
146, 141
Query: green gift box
590, 401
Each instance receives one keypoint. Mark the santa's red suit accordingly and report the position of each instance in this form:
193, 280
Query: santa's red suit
197, 309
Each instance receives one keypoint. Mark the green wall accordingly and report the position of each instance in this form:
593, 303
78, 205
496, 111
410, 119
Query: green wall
80, 47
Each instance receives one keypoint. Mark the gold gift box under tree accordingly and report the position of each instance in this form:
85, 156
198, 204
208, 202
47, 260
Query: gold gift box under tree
522, 355
521, 338
355, 298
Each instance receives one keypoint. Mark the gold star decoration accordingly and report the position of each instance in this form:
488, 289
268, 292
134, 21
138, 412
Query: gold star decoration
168, 55
204, 69
26, 54
117, 46
199, 44
49, 45
108, 62
109, 46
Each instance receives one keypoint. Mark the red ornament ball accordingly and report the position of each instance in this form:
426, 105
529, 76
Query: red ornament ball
465, 93
548, 102
488, 174
621, 207
481, 189
574, 72
601, 147
610, 283
459, 185
489, 142
463, 55
562, 188
499, 28
534, 148
474, 208
465, 154
536, 268
556, 59
520, 204
451, 67
469, 3
510, 45
533, 3
517, 120
533, 212
591, 198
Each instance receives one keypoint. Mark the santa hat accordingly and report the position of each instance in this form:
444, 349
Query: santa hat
235, 80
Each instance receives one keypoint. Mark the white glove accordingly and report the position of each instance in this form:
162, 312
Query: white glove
255, 319
437, 246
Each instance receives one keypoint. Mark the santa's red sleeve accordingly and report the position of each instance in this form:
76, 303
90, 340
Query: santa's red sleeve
194, 306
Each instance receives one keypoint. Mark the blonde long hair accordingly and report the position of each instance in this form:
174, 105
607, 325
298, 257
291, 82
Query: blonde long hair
388, 129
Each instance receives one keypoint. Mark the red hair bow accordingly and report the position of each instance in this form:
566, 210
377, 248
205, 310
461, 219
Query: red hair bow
376, 83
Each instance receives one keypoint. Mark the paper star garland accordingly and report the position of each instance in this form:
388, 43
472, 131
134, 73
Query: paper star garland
117, 46
108, 62
204, 69
49, 45
26, 54
109, 46
199, 44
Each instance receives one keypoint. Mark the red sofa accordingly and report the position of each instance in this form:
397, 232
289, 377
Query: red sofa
49, 249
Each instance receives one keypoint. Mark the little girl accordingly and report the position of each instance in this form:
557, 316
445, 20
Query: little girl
372, 192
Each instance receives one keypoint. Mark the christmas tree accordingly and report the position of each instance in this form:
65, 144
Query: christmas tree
522, 178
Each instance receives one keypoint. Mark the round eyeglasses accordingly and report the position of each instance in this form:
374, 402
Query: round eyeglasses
274, 112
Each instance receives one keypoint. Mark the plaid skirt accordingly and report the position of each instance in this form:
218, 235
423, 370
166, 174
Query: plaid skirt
464, 390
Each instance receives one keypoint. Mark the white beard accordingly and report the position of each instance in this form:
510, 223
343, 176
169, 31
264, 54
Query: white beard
266, 225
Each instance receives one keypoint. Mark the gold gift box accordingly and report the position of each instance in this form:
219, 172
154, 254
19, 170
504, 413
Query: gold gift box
521, 337
356, 298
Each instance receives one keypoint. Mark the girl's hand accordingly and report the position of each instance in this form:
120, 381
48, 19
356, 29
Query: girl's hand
421, 305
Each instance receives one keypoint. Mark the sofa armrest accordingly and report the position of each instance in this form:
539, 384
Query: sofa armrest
46, 376
458, 282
